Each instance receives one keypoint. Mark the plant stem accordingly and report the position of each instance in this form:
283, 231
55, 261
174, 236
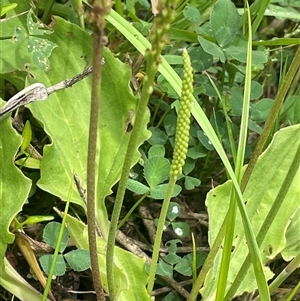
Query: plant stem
131, 149
123, 221
100, 9
159, 232
57, 247
179, 156
208, 262
47, 11
119, 7
158, 39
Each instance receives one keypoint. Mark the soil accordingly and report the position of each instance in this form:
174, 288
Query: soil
66, 288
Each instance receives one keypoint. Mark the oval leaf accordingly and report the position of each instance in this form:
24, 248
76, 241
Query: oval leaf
156, 170
79, 260
224, 21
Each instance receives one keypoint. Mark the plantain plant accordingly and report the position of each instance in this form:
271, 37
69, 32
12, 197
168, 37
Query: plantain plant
255, 210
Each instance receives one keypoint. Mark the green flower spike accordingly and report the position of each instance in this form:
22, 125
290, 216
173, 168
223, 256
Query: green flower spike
157, 38
183, 119
180, 150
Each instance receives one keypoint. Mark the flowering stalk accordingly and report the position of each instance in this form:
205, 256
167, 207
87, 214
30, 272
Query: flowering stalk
157, 38
179, 156
101, 8
183, 120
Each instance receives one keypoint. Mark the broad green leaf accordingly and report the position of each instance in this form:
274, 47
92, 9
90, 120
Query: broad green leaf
36, 27
292, 248
9, 62
41, 50
264, 185
19, 35
14, 186
37, 43
142, 44
224, 21
65, 117
127, 265
14, 189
